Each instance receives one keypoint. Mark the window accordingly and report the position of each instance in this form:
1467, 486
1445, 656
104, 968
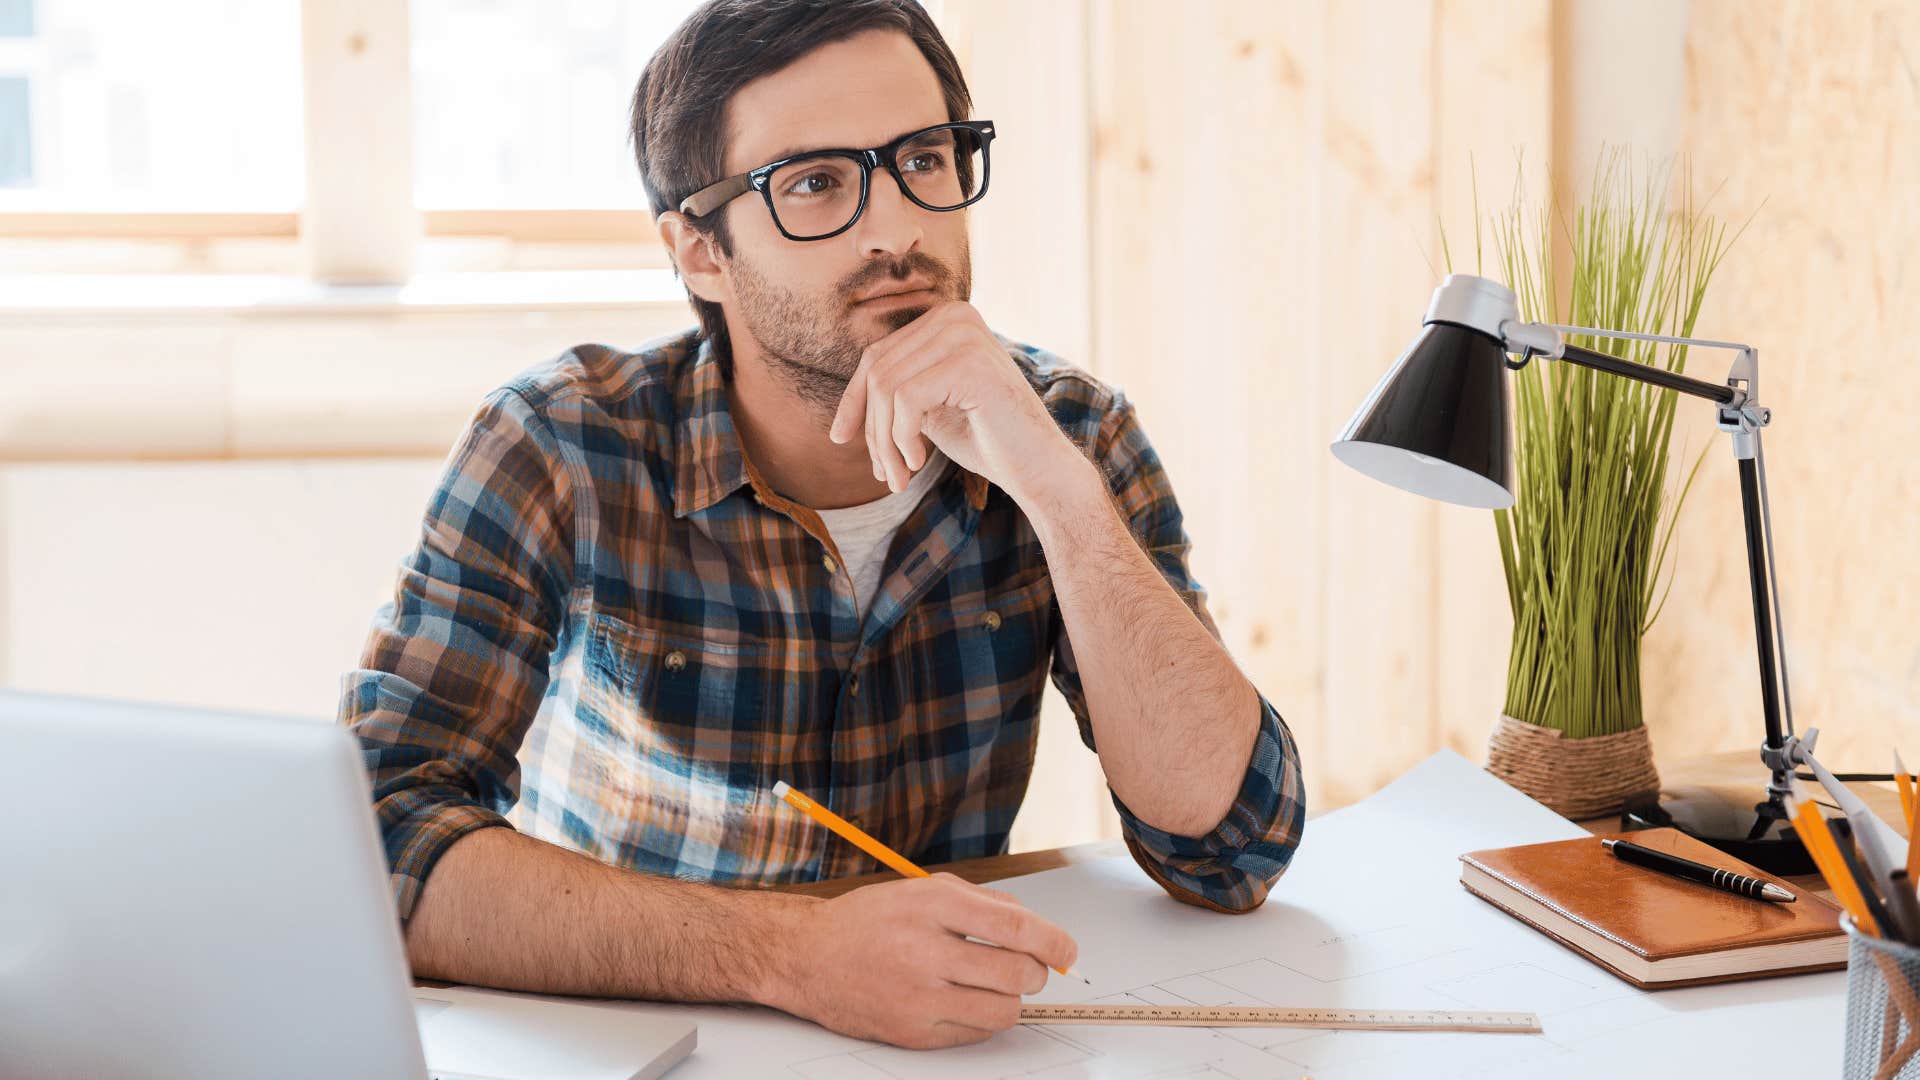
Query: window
131, 105
523, 103
175, 136
16, 147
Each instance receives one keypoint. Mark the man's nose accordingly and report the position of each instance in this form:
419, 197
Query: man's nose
892, 223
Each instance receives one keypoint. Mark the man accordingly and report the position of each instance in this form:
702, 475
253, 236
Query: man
837, 537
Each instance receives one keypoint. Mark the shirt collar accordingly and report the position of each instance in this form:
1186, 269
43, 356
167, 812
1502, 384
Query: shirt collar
708, 462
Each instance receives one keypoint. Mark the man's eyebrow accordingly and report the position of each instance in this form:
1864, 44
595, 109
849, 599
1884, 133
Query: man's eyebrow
796, 151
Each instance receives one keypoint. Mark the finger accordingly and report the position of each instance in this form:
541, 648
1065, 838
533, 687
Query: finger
880, 409
879, 418
965, 912
988, 967
944, 1034
847, 418
873, 458
851, 414
918, 387
980, 1009
905, 360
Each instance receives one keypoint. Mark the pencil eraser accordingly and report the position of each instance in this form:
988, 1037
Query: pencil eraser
780, 789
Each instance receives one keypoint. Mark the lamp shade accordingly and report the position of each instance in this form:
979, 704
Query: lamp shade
1438, 424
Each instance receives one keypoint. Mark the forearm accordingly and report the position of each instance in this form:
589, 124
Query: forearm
506, 910
1173, 717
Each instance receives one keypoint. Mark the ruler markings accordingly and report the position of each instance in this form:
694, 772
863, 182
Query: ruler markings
1271, 1016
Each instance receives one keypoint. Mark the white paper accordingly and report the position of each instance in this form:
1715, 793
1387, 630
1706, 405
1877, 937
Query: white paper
1370, 915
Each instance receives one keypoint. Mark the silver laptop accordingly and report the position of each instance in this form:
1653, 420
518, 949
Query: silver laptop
187, 893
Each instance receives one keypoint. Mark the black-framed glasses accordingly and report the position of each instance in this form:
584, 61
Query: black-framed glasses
821, 193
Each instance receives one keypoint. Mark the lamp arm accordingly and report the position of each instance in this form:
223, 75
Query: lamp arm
1547, 340
1742, 416
1727, 395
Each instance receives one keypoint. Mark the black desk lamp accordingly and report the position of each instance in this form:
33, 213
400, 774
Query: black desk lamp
1439, 424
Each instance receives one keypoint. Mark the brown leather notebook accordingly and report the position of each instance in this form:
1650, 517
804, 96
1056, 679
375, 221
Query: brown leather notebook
1652, 929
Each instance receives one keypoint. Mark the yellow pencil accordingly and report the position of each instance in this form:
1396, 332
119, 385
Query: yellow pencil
1910, 810
858, 838
1826, 855
1904, 781
1913, 840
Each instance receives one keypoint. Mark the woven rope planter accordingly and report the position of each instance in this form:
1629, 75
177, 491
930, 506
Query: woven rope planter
1576, 778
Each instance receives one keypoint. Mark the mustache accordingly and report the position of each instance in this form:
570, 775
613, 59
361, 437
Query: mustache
897, 269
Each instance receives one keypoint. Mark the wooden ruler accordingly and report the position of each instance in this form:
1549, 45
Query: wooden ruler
1270, 1016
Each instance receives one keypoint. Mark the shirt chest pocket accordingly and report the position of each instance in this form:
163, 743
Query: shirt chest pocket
980, 656
681, 702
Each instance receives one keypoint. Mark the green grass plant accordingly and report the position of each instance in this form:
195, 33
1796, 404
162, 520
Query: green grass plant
1590, 530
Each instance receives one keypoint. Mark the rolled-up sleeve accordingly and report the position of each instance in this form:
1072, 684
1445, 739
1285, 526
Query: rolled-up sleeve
1232, 867
456, 664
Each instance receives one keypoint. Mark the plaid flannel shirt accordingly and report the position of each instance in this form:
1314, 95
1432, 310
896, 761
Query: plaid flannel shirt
603, 641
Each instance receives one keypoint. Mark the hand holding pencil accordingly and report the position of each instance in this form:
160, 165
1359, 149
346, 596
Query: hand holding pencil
908, 962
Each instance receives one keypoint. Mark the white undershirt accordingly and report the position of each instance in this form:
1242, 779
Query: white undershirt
864, 533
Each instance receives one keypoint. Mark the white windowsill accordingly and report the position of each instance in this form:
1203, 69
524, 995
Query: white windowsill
29, 297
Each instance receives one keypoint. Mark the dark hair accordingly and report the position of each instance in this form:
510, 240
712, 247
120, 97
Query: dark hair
680, 105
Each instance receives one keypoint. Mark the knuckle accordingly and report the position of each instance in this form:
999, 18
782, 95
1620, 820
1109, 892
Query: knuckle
1010, 924
1016, 973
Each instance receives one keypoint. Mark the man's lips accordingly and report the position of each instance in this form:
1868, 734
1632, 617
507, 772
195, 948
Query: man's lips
896, 294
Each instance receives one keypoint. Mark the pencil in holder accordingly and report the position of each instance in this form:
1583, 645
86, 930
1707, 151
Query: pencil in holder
1883, 1008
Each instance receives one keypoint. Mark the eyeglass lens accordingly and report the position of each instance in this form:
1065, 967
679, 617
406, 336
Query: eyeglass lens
819, 195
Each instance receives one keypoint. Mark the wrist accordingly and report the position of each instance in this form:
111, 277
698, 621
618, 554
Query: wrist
1069, 486
777, 934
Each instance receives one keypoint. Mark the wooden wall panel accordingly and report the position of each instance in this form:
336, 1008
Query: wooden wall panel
1493, 104
1026, 65
1263, 185
1811, 118
1203, 312
1376, 207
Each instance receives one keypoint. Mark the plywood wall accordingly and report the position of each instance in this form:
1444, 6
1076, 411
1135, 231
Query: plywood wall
1267, 186
1807, 119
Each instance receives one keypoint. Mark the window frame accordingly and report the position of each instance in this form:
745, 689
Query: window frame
354, 53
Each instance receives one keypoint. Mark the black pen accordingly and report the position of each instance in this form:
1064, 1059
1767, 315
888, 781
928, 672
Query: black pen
1740, 884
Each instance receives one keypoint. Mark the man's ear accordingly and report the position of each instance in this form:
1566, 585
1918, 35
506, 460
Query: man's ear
695, 256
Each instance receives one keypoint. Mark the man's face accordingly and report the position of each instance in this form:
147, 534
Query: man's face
805, 302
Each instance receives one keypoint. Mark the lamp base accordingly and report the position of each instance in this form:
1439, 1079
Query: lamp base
1757, 832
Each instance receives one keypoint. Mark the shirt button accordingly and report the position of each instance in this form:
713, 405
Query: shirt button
827, 561
853, 685
992, 621
676, 660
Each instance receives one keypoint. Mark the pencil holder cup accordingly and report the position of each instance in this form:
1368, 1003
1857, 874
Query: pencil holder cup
1883, 1008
